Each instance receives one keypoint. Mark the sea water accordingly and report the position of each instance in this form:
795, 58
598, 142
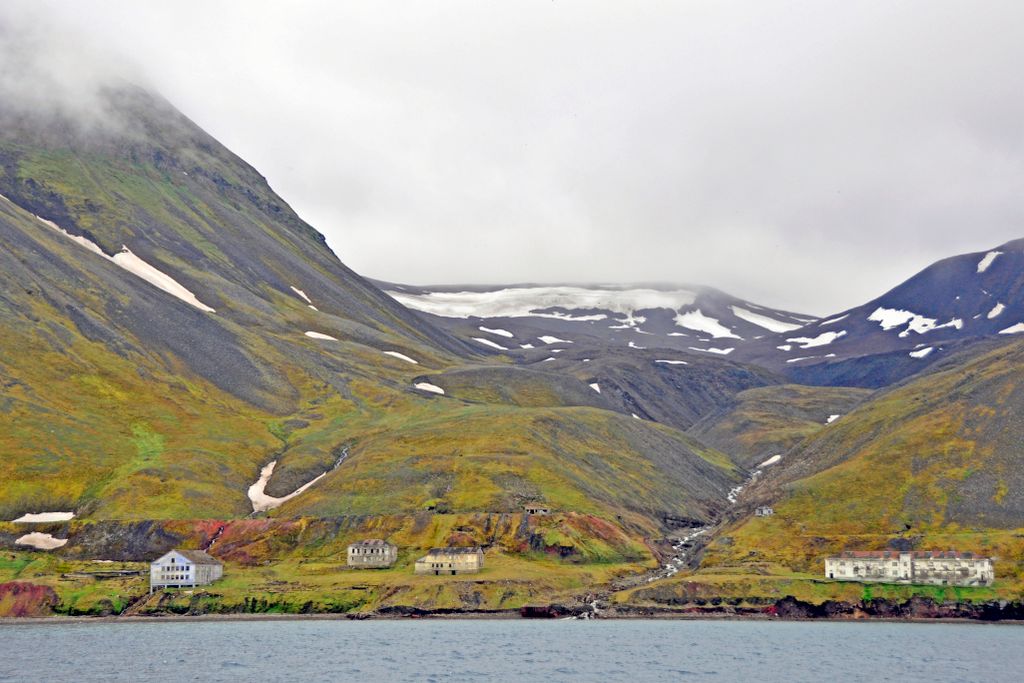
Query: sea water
510, 650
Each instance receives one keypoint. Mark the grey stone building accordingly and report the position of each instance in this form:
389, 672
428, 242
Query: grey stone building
372, 553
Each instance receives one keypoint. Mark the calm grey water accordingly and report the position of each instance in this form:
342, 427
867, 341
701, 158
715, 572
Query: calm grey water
634, 651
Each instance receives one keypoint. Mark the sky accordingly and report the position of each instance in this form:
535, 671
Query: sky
803, 155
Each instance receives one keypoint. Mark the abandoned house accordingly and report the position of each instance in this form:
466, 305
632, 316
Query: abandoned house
537, 509
180, 568
936, 567
764, 511
451, 561
372, 552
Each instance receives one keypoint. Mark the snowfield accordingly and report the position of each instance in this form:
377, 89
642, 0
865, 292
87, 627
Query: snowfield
41, 541
833, 320
319, 335
524, 302
427, 386
39, 517
921, 353
672, 362
821, 340
596, 387
1014, 329
261, 502
400, 356
764, 321
549, 339
134, 265
996, 310
723, 352
890, 318
695, 320
488, 342
771, 461
301, 293
987, 260
498, 331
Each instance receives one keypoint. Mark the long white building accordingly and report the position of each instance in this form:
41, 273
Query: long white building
936, 567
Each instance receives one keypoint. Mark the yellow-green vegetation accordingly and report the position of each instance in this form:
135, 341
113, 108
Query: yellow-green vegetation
299, 565
932, 465
766, 421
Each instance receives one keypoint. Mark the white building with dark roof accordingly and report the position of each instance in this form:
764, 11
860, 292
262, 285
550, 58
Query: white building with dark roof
179, 568
935, 567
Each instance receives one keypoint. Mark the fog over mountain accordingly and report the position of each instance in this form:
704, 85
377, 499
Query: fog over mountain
804, 155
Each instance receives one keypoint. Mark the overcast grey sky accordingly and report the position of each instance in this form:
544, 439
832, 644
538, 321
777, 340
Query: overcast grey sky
800, 154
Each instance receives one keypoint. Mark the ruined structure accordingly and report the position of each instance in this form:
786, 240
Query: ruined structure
372, 552
936, 567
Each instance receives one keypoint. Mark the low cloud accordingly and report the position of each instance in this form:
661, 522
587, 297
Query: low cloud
804, 155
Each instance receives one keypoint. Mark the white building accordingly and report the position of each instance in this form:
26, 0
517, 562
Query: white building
184, 568
936, 567
451, 561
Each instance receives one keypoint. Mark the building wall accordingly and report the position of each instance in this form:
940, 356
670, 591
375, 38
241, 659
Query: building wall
183, 572
372, 556
450, 563
908, 569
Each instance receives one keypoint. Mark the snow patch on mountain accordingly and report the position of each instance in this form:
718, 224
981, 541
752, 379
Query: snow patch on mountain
890, 318
427, 386
672, 362
595, 386
41, 541
695, 320
488, 342
551, 339
1013, 329
524, 302
301, 293
764, 321
41, 517
821, 340
996, 310
802, 358
401, 356
921, 353
320, 335
831, 321
770, 461
496, 330
133, 264
261, 502
987, 260
723, 352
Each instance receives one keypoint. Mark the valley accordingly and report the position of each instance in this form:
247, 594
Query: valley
185, 363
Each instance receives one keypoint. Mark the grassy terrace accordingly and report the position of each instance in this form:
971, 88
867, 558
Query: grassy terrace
508, 581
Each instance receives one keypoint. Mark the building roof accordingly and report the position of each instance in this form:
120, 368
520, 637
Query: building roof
465, 550
197, 556
369, 543
916, 554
